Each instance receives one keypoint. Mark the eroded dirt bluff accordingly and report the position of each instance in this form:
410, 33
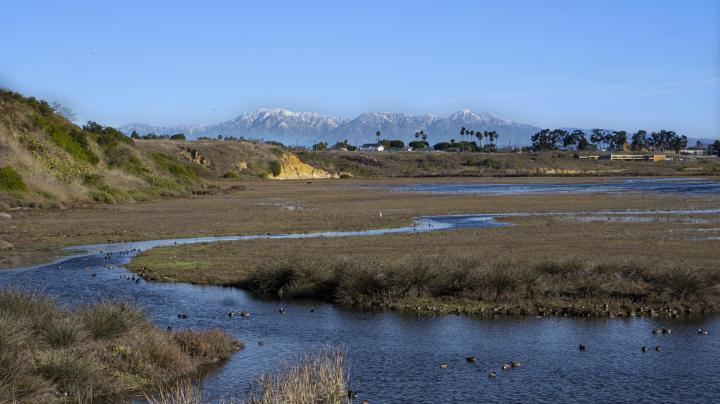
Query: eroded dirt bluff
292, 168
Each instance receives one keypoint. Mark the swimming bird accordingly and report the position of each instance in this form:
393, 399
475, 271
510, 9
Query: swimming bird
515, 364
182, 316
244, 314
582, 348
666, 331
231, 314
492, 375
444, 365
471, 359
261, 343
658, 348
703, 332
506, 366
282, 310
644, 348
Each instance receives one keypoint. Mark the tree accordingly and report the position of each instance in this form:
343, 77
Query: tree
678, 143
134, 135
322, 146
418, 144
377, 135
639, 140
575, 139
598, 137
178, 136
619, 139
547, 139
715, 148
462, 134
63, 111
444, 145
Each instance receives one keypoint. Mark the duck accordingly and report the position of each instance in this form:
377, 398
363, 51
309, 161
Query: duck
666, 331
702, 332
582, 348
656, 331
644, 348
471, 359
658, 348
444, 365
231, 314
351, 394
506, 366
492, 375
244, 314
282, 310
261, 343
182, 316
515, 364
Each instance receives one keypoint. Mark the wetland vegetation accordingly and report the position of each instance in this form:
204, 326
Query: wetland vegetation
108, 350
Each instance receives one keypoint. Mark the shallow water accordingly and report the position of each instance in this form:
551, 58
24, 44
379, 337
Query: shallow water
671, 185
395, 357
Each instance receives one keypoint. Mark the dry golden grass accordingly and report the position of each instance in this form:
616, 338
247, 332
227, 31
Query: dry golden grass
316, 378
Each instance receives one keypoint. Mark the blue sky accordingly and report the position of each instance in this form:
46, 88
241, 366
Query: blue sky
615, 64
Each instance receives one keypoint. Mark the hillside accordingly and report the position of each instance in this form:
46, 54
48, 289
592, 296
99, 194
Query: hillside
45, 160
235, 159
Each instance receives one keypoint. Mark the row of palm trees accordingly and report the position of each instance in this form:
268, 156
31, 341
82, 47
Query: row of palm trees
490, 136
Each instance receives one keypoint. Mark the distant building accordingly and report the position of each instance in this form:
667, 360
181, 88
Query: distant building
372, 147
625, 157
693, 152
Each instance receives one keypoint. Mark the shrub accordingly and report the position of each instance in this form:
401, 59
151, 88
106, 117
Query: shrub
275, 168
110, 319
177, 170
73, 373
207, 346
61, 331
11, 181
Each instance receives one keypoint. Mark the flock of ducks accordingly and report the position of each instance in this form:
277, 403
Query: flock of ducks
581, 348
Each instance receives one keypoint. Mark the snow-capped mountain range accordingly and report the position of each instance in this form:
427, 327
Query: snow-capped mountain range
307, 128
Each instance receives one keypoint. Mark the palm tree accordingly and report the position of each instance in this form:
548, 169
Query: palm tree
423, 135
462, 133
377, 135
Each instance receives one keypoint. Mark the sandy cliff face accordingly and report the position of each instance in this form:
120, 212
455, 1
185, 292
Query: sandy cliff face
292, 168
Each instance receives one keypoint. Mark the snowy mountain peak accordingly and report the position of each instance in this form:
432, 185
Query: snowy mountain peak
306, 128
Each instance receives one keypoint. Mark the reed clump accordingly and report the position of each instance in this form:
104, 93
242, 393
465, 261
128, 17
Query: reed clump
316, 378
97, 352
462, 281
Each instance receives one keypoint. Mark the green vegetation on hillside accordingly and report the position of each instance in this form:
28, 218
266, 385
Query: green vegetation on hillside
11, 181
60, 162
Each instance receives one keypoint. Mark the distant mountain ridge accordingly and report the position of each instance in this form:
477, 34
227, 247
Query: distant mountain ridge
306, 128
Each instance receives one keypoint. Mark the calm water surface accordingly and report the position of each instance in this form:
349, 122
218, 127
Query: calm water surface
667, 185
395, 357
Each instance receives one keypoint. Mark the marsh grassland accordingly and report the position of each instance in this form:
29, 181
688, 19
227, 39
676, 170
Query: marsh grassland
593, 264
